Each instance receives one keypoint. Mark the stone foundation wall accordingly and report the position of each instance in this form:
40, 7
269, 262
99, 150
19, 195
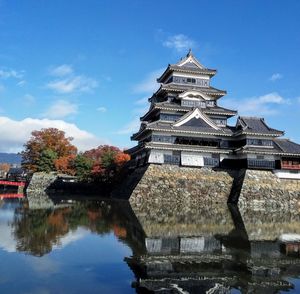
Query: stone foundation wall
181, 187
263, 189
36, 195
41, 181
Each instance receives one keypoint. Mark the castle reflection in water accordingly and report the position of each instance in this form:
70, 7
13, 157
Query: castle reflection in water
199, 249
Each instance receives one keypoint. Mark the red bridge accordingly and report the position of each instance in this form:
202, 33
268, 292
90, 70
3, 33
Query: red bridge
15, 195
9, 183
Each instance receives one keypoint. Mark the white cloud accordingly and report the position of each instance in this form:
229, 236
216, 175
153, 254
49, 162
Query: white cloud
261, 105
149, 84
146, 86
15, 133
130, 128
102, 109
45, 266
61, 70
180, 43
11, 73
275, 77
73, 84
61, 109
7, 241
21, 83
134, 125
71, 237
142, 101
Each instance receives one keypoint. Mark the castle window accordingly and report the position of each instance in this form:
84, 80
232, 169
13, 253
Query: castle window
190, 80
210, 103
202, 104
220, 122
259, 142
163, 139
169, 117
191, 103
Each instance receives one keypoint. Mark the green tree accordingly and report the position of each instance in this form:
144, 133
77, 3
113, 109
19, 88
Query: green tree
46, 161
83, 166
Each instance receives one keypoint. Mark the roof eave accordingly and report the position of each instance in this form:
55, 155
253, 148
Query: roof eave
219, 94
164, 74
274, 153
184, 148
190, 132
242, 132
207, 71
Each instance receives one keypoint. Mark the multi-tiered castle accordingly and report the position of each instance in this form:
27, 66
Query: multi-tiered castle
186, 126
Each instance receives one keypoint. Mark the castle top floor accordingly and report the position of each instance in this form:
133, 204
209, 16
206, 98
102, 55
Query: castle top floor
188, 71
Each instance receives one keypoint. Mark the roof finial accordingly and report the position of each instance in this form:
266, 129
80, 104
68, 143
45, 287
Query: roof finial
190, 53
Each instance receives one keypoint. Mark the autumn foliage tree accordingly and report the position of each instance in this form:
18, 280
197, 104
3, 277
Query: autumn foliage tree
106, 161
49, 149
4, 167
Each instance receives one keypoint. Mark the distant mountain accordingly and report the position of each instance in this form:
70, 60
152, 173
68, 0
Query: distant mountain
12, 158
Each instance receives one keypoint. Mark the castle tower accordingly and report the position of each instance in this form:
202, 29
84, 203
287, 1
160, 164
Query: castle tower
186, 126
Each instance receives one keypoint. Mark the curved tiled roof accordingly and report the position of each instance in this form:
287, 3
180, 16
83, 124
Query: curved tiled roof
255, 125
188, 64
215, 110
160, 126
288, 146
182, 88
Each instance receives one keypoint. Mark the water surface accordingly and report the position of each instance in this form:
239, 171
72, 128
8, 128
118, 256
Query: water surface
101, 246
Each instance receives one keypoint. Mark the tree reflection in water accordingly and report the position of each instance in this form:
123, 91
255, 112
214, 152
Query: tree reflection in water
38, 230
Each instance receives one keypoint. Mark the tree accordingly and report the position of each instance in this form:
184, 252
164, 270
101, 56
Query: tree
5, 167
46, 160
65, 164
107, 161
47, 139
83, 166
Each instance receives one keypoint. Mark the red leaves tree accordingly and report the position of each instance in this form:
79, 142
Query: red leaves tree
107, 161
49, 149
65, 164
48, 139
4, 167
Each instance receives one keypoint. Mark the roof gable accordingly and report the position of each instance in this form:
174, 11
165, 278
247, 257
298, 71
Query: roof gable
190, 61
194, 94
196, 118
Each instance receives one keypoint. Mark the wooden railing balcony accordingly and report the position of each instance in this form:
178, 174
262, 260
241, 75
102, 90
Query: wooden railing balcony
211, 161
172, 159
290, 166
263, 164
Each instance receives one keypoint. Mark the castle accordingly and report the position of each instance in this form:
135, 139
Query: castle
186, 126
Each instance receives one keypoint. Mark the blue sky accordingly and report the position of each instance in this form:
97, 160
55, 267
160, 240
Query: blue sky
87, 67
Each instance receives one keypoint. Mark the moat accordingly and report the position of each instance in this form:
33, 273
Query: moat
105, 246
